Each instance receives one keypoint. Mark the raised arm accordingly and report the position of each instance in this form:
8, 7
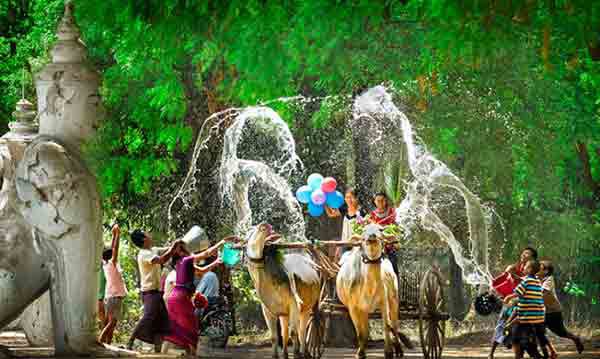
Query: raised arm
512, 270
168, 254
214, 249
208, 268
332, 212
116, 235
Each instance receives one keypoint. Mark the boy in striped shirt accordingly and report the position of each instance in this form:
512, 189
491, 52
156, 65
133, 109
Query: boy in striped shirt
530, 313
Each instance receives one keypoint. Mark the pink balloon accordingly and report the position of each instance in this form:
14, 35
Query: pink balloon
318, 197
328, 185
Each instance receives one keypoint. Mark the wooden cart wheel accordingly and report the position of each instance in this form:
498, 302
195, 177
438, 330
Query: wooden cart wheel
431, 305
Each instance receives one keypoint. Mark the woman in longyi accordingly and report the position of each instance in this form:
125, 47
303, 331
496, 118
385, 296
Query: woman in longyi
184, 325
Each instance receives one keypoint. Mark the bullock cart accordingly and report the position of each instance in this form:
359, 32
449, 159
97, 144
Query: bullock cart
421, 299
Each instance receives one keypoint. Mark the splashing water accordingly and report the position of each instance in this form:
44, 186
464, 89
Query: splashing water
246, 183
209, 129
237, 175
375, 106
250, 187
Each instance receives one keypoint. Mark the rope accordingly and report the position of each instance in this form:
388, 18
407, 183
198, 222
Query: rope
328, 267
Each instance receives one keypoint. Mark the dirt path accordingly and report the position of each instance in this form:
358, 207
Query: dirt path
450, 352
16, 345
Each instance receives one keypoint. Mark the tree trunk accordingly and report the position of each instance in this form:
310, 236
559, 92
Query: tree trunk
458, 305
587, 177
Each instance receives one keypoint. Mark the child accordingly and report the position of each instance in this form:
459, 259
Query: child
169, 282
501, 335
554, 318
517, 272
529, 325
384, 215
101, 289
115, 287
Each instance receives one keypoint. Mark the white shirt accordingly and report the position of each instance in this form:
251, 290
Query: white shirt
169, 284
550, 298
149, 273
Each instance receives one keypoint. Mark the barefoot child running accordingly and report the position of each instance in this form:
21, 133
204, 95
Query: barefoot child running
516, 271
554, 318
529, 329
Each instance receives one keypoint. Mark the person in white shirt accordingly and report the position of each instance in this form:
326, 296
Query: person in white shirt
154, 324
554, 317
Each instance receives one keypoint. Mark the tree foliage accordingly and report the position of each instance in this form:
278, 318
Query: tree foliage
506, 92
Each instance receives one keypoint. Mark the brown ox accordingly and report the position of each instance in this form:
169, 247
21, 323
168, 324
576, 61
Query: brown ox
287, 285
367, 282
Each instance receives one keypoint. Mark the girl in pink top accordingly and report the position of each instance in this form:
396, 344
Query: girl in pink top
116, 291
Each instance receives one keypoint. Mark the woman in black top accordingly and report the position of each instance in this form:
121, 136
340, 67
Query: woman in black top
351, 210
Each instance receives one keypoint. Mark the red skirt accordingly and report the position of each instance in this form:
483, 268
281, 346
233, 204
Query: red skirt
184, 324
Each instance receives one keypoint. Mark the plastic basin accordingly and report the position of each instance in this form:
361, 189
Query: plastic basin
504, 284
230, 256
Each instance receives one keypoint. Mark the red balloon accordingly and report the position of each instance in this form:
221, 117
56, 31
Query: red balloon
329, 184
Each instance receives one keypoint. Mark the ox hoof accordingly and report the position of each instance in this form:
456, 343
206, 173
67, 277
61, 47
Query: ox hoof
360, 355
388, 355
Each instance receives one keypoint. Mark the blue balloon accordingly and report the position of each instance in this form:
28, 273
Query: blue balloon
314, 181
303, 194
334, 199
315, 210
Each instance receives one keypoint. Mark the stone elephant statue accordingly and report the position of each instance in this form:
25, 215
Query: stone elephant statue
50, 213
49, 230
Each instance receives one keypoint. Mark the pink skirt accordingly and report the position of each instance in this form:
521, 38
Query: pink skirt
184, 324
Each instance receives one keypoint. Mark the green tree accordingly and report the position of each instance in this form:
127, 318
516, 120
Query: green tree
505, 92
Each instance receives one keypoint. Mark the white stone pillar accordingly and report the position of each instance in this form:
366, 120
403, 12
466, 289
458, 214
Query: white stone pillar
67, 88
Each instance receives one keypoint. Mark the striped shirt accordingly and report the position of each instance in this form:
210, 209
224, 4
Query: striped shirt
530, 309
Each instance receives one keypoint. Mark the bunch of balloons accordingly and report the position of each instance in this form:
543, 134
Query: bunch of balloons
319, 192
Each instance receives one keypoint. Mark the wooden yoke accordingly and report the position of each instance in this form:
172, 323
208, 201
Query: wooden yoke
326, 265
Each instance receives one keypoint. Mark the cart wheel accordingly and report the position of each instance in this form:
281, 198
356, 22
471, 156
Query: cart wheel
315, 335
431, 305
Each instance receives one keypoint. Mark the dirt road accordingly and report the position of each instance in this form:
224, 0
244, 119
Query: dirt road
15, 345
449, 352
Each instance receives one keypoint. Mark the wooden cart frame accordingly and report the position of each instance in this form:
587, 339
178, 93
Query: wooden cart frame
421, 299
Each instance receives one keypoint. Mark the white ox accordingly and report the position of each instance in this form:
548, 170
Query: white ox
367, 282
288, 286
